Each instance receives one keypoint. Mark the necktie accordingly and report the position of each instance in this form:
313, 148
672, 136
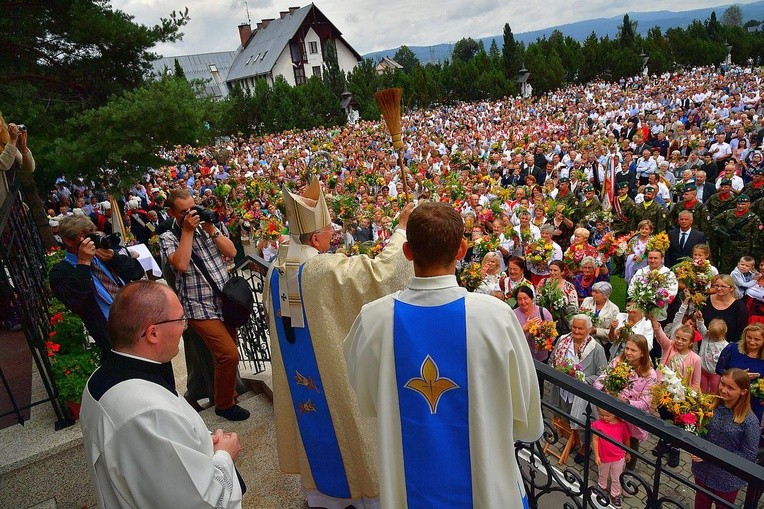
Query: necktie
104, 278
682, 240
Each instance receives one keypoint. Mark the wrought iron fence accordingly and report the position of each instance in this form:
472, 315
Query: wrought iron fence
652, 484
22, 256
253, 336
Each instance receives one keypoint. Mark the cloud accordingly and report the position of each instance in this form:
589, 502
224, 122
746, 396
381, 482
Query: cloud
372, 25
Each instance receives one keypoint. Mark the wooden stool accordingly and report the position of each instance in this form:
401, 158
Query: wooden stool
571, 439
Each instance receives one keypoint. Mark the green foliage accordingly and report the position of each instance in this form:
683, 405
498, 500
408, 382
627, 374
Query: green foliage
124, 134
179, 70
407, 59
627, 32
71, 372
465, 49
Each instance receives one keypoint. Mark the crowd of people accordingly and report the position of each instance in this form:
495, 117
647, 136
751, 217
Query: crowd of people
643, 181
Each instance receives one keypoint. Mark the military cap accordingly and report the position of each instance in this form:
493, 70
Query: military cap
650, 188
690, 186
743, 198
621, 185
725, 182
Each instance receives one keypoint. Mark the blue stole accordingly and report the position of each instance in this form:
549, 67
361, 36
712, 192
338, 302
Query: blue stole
430, 349
310, 407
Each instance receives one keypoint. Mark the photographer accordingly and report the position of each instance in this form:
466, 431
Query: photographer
91, 273
14, 155
194, 235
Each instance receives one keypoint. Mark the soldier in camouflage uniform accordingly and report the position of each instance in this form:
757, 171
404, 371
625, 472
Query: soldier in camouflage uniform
719, 202
565, 195
589, 205
651, 209
623, 222
740, 233
690, 203
755, 188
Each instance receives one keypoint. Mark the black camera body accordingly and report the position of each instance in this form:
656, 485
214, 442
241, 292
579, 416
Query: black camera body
106, 241
21, 127
206, 215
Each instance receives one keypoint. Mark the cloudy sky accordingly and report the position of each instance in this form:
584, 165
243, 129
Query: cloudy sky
372, 25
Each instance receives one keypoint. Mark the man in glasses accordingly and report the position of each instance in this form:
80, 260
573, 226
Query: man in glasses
145, 445
88, 277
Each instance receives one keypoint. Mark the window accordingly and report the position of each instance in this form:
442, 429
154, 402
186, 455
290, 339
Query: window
299, 75
317, 71
313, 47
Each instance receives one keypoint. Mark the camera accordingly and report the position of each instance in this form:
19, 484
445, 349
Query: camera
21, 127
106, 241
206, 215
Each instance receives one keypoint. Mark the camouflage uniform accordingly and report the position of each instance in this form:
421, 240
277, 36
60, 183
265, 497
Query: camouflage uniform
583, 210
753, 192
627, 209
738, 236
757, 208
716, 206
655, 213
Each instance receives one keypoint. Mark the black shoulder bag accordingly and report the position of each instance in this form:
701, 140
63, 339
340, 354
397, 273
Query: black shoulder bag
238, 299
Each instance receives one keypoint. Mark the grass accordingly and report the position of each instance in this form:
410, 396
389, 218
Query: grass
619, 292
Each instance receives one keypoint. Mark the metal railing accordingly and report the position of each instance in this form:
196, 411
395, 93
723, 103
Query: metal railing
652, 484
22, 256
253, 336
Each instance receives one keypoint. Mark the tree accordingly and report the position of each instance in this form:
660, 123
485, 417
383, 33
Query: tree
493, 50
406, 58
627, 32
63, 58
333, 75
179, 70
465, 49
713, 27
511, 53
733, 16
119, 139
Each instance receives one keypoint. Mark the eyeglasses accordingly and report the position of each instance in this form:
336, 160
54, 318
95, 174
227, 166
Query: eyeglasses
721, 287
183, 319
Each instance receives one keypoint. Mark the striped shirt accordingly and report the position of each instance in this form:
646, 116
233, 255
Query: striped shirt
196, 295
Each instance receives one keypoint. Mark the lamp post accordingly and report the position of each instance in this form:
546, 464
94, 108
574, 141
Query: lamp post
728, 58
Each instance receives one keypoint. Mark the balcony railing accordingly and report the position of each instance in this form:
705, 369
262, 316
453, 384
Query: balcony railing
652, 484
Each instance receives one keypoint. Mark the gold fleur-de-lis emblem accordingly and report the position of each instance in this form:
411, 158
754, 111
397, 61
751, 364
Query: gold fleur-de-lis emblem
431, 386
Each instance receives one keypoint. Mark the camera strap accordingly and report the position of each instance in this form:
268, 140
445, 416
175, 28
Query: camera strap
197, 260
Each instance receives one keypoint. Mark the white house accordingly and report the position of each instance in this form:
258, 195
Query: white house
292, 45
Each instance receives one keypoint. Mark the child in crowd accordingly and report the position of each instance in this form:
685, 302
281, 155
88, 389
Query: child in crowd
702, 252
609, 457
744, 276
714, 341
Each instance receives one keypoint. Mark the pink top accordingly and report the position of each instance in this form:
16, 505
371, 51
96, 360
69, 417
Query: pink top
619, 432
691, 362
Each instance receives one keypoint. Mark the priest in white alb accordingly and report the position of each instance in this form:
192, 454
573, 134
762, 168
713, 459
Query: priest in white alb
450, 378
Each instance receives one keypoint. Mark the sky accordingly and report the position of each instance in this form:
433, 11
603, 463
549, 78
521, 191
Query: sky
373, 25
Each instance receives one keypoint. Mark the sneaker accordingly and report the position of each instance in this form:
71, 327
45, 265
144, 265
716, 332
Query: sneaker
617, 502
234, 413
673, 457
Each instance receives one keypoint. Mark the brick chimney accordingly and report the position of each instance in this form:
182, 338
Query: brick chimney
245, 32
292, 9
283, 14
265, 22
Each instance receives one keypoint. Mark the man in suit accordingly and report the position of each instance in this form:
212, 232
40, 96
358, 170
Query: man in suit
683, 239
704, 188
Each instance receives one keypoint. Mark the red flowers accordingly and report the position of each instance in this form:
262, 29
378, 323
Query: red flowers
52, 348
687, 419
56, 318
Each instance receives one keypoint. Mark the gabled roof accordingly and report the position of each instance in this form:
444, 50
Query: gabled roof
266, 44
197, 67
388, 63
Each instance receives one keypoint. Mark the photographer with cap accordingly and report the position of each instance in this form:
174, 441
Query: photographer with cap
92, 271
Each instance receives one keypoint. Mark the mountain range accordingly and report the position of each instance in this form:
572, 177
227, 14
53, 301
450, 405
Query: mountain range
580, 30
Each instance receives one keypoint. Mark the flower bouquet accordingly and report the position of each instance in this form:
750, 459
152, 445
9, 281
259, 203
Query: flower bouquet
485, 245
613, 244
270, 229
617, 378
692, 410
368, 248
539, 254
471, 276
550, 296
543, 334
658, 242
575, 370
650, 294
696, 278
757, 388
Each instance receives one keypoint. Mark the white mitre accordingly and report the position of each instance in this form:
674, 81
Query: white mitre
305, 214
